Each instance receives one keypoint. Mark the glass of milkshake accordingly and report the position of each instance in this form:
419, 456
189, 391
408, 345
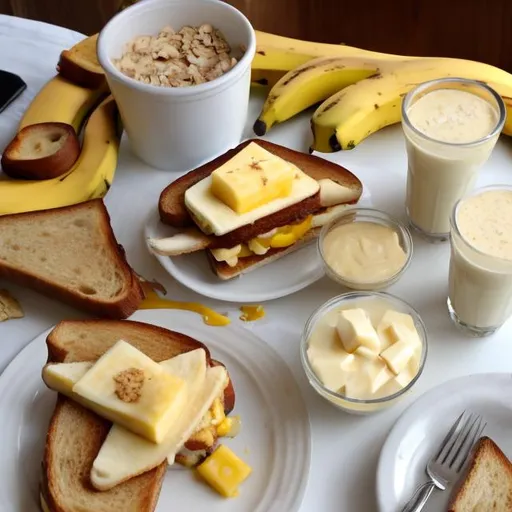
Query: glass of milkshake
480, 289
451, 126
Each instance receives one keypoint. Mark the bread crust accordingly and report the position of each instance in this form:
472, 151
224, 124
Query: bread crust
249, 263
172, 209
47, 167
79, 69
122, 306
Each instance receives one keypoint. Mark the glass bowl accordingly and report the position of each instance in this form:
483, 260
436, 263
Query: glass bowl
357, 299
377, 217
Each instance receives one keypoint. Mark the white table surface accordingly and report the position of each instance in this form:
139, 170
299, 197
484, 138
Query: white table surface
345, 447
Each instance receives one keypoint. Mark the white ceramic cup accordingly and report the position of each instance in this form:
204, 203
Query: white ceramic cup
178, 128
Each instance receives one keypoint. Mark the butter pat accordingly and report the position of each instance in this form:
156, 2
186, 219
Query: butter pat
253, 177
224, 471
61, 377
355, 329
128, 388
330, 367
392, 326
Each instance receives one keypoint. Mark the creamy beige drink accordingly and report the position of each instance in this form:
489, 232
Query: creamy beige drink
480, 292
451, 127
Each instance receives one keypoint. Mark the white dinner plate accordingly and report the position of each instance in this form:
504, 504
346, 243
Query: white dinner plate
278, 279
417, 434
275, 436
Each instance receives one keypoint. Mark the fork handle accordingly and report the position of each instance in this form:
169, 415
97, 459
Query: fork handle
418, 501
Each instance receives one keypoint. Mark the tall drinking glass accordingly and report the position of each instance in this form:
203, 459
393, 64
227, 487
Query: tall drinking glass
451, 126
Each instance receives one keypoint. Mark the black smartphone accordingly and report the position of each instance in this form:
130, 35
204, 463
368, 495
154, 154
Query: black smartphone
11, 86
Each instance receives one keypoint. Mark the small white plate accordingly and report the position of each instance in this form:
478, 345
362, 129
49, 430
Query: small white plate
278, 279
418, 433
275, 437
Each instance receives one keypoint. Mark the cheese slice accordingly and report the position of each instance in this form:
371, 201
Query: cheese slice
215, 217
127, 387
125, 455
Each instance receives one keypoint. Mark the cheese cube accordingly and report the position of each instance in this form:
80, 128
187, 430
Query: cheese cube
130, 389
379, 375
331, 367
398, 355
355, 329
252, 178
224, 471
392, 324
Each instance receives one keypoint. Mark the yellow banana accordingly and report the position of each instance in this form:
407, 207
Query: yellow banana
351, 115
90, 177
62, 101
276, 55
309, 84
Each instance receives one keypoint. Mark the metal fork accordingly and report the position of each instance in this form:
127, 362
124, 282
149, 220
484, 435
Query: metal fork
444, 467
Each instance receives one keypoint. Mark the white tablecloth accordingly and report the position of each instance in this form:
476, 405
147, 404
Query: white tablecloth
345, 448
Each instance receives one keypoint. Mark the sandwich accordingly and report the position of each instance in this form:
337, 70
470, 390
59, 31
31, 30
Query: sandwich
488, 482
78, 471
253, 205
70, 254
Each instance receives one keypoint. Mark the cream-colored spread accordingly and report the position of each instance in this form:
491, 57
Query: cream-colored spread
364, 252
365, 351
481, 280
442, 170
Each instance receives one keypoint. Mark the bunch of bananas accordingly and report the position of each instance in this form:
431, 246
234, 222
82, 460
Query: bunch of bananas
61, 100
359, 91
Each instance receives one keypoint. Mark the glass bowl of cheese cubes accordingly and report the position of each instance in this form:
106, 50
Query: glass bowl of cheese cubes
362, 351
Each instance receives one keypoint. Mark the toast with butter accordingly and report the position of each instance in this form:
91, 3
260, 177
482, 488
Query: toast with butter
70, 254
253, 205
76, 436
488, 483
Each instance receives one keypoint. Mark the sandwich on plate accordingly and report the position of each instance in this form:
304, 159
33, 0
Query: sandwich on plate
253, 205
133, 399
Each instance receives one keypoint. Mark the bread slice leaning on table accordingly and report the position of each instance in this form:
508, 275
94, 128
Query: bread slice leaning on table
70, 254
488, 483
320, 208
75, 435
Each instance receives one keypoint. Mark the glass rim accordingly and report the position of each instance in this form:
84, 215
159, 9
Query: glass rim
327, 306
374, 213
482, 85
455, 227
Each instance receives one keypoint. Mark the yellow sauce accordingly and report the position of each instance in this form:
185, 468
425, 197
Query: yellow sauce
154, 301
251, 313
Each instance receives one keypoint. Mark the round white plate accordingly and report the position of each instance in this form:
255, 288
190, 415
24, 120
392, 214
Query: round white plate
278, 279
275, 436
417, 434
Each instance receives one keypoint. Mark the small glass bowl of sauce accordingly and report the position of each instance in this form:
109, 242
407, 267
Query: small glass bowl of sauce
365, 249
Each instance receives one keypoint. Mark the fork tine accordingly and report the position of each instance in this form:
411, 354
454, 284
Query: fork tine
449, 439
459, 439
465, 438
461, 459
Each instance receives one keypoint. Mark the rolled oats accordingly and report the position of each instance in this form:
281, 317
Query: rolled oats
193, 55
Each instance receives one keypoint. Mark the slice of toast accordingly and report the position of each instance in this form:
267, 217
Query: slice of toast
41, 152
488, 484
173, 211
75, 435
249, 263
70, 254
80, 64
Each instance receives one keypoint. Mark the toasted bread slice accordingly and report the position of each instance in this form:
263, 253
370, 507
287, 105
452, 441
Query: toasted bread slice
488, 484
41, 152
75, 435
249, 263
80, 64
173, 211
70, 254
